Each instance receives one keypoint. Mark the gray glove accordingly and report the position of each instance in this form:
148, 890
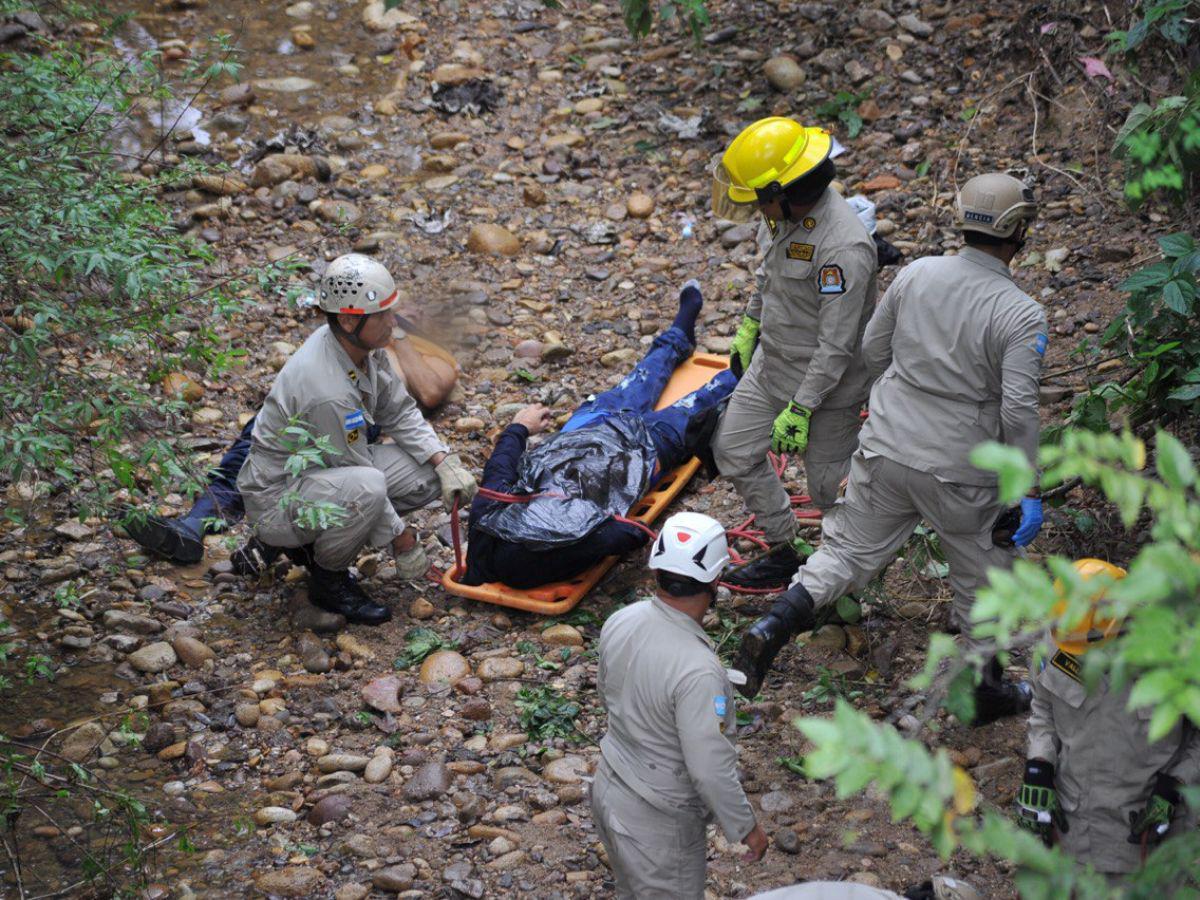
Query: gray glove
456, 481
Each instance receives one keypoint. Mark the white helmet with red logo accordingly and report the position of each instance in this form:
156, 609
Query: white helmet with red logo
691, 544
357, 285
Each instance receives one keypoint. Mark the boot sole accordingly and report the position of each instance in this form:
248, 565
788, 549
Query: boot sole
165, 542
352, 618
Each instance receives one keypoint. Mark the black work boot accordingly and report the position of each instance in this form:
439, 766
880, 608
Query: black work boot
168, 538
997, 697
253, 557
792, 613
770, 572
337, 592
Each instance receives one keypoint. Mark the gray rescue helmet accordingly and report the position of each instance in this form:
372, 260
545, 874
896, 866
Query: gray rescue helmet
995, 204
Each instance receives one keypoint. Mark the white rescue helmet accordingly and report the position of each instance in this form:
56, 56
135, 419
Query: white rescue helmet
357, 285
995, 204
691, 544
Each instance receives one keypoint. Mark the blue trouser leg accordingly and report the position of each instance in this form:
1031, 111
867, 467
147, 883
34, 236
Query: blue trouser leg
640, 389
668, 427
221, 499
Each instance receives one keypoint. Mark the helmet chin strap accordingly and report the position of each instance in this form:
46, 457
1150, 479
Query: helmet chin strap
353, 336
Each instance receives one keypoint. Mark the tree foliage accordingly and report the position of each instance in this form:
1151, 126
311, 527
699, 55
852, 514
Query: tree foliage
1156, 652
101, 295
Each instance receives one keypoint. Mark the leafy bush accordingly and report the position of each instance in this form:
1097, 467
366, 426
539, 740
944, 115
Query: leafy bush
843, 107
1166, 19
421, 642
101, 296
1161, 145
691, 14
1157, 331
1155, 651
545, 713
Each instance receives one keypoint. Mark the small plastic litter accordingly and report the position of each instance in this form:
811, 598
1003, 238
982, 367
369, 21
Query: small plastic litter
432, 223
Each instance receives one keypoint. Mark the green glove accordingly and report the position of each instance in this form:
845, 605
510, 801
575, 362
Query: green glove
1037, 804
742, 349
1154, 821
790, 432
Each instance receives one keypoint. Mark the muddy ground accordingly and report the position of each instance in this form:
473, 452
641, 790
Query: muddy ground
586, 161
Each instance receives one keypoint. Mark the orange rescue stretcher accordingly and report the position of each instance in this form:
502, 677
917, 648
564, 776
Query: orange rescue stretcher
562, 596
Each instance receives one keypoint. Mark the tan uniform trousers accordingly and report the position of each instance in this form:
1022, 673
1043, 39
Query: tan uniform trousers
744, 437
884, 503
373, 498
653, 855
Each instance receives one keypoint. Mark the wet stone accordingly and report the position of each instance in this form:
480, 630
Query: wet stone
395, 879
333, 808
121, 620
274, 815
787, 841
565, 770
153, 658
445, 665
342, 762
496, 668
429, 782
290, 881
383, 694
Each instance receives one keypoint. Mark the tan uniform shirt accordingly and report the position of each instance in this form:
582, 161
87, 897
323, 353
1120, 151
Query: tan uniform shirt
1104, 765
671, 721
960, 349
816, 291
321, 388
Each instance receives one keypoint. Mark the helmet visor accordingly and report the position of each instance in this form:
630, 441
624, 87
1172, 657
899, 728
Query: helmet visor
722, 206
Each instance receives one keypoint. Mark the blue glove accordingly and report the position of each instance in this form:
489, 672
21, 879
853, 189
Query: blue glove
1031, 521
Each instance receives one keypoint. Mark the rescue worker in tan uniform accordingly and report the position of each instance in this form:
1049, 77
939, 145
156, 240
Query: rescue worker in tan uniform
1095, 783
668, 764
312, 482
958, 350
798, 350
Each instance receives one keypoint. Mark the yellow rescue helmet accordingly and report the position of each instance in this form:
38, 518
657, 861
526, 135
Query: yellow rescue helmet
1090, 631
772, 151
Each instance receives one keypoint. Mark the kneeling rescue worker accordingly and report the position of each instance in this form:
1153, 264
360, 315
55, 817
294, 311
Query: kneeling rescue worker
798, 350
668, 764
958, 350
1095, 783
335, 387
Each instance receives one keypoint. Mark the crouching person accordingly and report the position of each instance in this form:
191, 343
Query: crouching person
1095, 783
335, 387
668, 765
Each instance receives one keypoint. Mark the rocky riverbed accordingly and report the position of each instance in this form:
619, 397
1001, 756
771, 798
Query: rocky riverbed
536, 181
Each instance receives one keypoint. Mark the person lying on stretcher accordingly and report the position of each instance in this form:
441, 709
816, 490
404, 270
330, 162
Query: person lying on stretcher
550, 513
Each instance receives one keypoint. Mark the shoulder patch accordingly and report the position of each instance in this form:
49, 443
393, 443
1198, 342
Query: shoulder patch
719, 705
1040, 343
809, 222
800, 251
1067, 664
830, 280
352, 436
355, 420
